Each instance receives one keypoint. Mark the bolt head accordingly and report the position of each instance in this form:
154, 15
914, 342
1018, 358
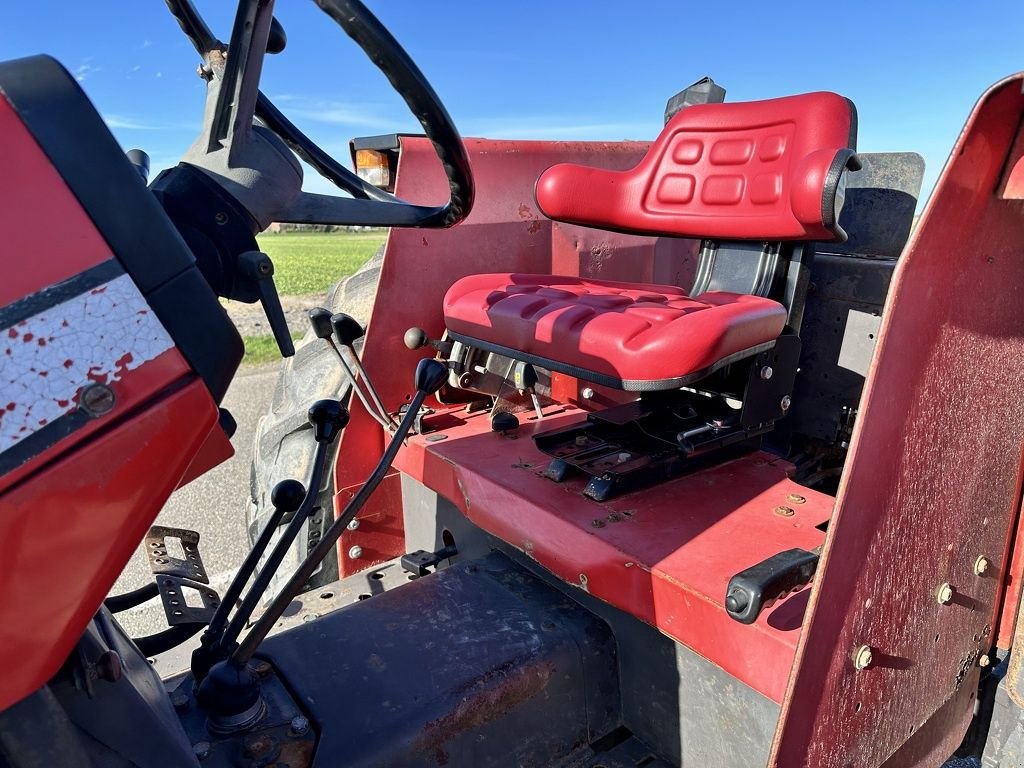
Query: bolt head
587, 393
785, 402
766, 372
980, 566
353, 525
97, 399
201, 749
944, 594
784, 511
356, 552
863, 656
299, 725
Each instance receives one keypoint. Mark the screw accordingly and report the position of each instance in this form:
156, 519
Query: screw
204, 72
766, 372
310, 617
201, 749
356, 552
784, 511
299, 725
862, 657
944, 594
261, 667
984, 660
586, 393
785, 402
796, 498
980, 565
97, 399
220, 217
353, 525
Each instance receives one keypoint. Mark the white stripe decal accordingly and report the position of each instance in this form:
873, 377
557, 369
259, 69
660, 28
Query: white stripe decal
48, 358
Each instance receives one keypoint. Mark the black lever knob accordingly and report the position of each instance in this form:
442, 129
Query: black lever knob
287, 495
430, 375
347, 329
328, 418
503, 422
277, 39
258, 268
415, 338
320, 321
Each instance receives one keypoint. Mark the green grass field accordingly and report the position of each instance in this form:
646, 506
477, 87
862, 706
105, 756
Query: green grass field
310, 262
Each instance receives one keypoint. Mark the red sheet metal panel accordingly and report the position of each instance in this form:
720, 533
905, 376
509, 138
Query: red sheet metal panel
505, 231
664, 554
42, 222
931, 484
70, 528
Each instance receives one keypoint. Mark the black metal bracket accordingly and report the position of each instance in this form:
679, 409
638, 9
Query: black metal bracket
420, 562
174, 595
162, 563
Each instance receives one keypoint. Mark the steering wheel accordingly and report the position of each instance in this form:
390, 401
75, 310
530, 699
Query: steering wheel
244, 138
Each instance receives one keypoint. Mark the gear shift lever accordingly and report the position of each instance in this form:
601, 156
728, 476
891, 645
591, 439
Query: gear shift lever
430, 375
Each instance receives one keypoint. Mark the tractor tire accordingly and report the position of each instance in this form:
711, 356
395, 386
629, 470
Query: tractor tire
284, 444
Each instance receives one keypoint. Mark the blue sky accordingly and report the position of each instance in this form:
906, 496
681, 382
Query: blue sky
569, 70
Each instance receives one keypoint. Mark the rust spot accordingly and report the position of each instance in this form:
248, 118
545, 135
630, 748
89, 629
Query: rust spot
489, 697
68, 363
535, 227
41, 341
63, 403
43, 422
99, 290
423, 241
525, 212
28, 337
11, 406
11, 333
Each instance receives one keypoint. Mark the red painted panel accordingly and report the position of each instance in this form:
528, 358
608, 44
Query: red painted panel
932, 481
505, 231
664, 554
42, 222
69, 530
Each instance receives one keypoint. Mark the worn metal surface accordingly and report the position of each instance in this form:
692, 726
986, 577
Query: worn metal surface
504, 232
480, 664
880, 202
663, 554
932, 480
674, 700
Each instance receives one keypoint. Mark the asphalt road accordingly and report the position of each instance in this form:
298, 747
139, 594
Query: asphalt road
213, 504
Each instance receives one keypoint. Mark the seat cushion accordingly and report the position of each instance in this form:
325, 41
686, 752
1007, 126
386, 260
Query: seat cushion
633, 336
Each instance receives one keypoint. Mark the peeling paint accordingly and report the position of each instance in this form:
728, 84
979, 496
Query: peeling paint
96, 336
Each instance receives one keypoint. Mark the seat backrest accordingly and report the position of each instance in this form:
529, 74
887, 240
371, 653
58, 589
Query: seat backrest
760, 170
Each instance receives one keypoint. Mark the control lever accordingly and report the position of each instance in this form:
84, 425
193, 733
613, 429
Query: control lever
258, 268
430, 376
347, 330
416, 338
321, 321
328, 418
287, 496
752, 590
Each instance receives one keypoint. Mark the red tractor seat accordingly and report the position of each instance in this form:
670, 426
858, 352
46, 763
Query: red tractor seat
632, 336
767, 171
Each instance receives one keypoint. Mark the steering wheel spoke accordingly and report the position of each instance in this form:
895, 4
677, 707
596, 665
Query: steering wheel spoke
235, 102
